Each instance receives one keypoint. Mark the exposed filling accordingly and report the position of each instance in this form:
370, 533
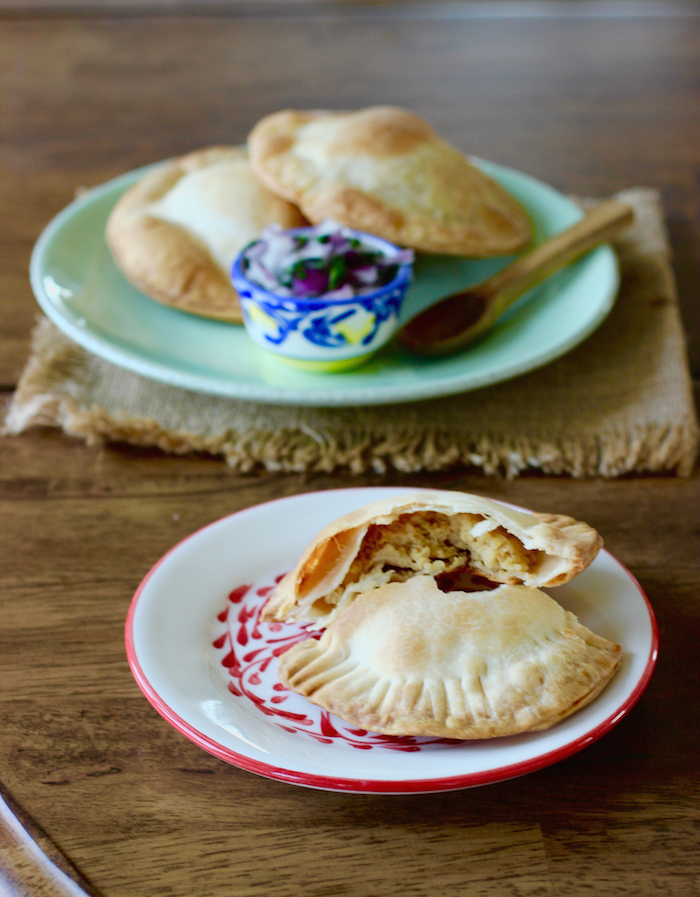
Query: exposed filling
438, 544
464, 580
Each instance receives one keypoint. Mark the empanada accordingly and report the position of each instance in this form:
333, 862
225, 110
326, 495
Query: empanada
176, 232
429, 532
408, 659
385, 171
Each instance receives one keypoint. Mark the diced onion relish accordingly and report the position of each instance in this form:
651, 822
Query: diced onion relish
328, 260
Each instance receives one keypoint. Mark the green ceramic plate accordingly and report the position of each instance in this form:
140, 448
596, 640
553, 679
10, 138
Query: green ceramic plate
81, 290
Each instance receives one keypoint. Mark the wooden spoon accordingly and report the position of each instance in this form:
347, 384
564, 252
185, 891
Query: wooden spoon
461, 318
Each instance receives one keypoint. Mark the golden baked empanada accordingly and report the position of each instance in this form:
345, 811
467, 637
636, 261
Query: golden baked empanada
385, 171
408, 659
429, 532
176, 232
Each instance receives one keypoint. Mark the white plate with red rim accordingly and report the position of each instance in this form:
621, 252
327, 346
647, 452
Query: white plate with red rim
202, 658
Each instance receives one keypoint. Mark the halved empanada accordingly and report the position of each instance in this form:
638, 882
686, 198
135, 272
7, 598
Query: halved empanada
429, 532
408, 659
385, 170
176, 232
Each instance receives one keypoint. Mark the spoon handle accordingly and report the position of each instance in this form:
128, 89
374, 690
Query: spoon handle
459, 319
598, 225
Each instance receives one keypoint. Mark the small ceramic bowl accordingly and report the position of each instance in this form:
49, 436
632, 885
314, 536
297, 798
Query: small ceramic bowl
319, 334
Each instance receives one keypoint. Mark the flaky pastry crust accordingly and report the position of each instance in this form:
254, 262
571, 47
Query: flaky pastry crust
385, 171
408, 659
175, 233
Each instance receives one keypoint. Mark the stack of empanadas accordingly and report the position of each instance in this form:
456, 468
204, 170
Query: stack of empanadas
434, 620
381, 170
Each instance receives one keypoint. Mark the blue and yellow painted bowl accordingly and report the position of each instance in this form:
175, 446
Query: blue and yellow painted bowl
318, 334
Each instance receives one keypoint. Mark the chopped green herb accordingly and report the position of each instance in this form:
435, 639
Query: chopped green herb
337, 272
342, 263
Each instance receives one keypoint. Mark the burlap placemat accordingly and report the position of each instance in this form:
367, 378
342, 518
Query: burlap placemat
619, 403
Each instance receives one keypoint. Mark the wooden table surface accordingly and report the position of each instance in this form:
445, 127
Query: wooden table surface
588, 101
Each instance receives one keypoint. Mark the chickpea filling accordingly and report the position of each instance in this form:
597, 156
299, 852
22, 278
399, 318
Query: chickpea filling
434, 543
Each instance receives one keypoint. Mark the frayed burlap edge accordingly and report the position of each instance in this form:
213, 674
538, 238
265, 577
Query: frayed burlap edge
50, 385
65, 386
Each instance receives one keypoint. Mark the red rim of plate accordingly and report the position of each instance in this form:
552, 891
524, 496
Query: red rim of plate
377, 786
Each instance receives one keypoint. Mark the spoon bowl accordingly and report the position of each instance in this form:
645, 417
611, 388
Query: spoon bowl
462, 318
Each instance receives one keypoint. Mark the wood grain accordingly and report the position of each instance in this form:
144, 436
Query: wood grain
589, 104
109, 779
30, 862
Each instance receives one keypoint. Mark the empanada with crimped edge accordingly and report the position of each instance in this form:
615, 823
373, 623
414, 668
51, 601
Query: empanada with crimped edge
176, 232
408, 659
430, 532
384, 170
